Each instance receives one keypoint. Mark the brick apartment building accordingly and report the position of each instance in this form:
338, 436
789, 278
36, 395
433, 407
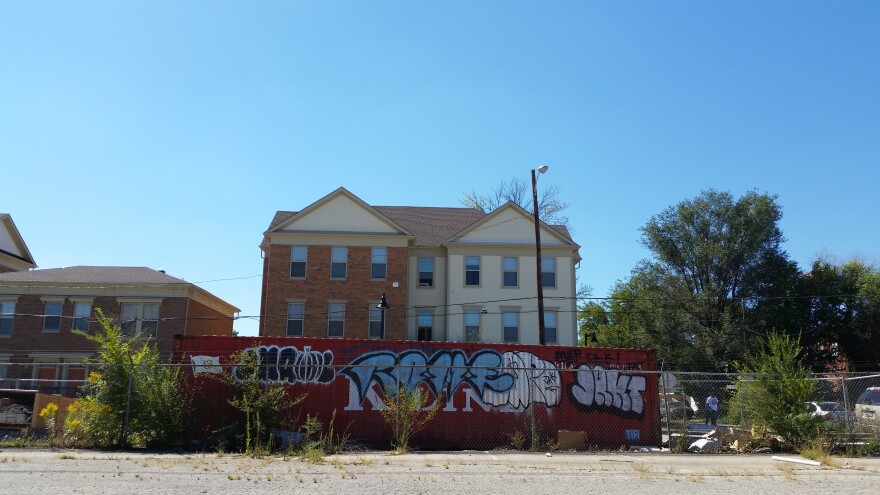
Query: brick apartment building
449, 274
42, 308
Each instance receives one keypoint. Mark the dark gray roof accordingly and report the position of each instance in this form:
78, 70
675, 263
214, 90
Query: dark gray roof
93, 275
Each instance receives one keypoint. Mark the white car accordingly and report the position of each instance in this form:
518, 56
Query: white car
830, 411
868, 405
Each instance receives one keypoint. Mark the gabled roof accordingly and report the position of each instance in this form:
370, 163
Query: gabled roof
12, 244
128, 275
284, 217
559, 231
431, 226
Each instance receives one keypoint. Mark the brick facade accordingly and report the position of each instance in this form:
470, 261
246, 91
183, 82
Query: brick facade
29, 337
357, 291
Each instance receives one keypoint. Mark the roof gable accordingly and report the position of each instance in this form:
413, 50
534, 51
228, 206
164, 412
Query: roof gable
509, 224
339, 211
14, 252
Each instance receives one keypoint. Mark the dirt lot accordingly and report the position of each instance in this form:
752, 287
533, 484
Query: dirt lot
43, 472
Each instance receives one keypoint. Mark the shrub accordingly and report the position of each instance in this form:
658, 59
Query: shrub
131, 398
406, 414
772, 391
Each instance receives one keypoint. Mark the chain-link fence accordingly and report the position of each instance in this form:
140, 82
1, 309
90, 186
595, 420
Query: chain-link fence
485, 405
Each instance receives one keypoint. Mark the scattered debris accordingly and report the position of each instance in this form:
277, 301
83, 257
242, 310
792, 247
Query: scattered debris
705, 445
796, 460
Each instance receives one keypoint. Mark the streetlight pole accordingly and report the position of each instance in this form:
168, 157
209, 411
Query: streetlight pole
382, 307
541, 336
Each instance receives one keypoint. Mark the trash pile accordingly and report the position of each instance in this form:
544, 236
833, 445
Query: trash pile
11, 413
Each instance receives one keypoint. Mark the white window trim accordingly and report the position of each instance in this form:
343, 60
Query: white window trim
139, 319
503, 271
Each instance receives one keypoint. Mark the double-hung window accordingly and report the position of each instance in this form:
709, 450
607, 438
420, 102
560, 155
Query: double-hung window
510, 276
510, 321
377, 322
472, 270
548, 272
140, 319
550, 334
295, 316
425, 324
338, 262
472, 325
82, 314
426, 272
7, 314
336, 320
298, 257
52, 316
378, 263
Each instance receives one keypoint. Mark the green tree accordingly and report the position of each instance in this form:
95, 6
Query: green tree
132, 397
712, 284
840, 315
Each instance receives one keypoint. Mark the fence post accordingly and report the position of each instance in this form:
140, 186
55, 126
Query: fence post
846, 418
127, 410
536, 443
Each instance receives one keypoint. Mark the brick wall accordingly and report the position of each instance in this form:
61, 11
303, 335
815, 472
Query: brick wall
357, 290
202, 320
28, 335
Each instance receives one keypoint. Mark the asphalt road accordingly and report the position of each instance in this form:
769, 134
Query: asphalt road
50, 472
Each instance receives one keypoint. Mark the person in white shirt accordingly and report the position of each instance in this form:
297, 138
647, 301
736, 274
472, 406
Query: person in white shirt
712, 410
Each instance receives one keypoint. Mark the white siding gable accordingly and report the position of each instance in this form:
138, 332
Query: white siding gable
509, 226
339, 214
6, 241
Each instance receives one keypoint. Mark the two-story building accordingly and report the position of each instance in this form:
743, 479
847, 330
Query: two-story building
43, 309
448, 274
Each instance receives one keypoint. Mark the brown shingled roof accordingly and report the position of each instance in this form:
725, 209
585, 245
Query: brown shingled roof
431, 225
93, 275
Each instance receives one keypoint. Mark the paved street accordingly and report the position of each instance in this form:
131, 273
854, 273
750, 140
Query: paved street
25, 472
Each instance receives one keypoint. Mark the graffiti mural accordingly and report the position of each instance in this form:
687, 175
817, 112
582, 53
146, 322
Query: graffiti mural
291, 365
596, 387
535, 381
442, 373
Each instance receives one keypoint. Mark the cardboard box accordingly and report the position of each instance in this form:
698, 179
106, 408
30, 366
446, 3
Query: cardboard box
571, 440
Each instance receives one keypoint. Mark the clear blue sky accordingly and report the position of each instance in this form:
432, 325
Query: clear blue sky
167, 134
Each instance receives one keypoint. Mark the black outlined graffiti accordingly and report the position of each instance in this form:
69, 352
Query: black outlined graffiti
290, 365
598, 388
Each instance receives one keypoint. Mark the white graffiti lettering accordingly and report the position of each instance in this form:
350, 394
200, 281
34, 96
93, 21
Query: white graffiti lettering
596, 387
536, 381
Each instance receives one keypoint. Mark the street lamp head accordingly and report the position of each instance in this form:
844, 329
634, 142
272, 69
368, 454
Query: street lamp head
542, 169
383, 303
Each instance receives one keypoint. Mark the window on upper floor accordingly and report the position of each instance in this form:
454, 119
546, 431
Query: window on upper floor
472, 325
548, 272
378, 263
52, 316
425, 325
426, 272
510, 275
82, 315
472, 270
510, 321
298, 257
295, 317
140, 319
550, 328
338, 262
336, 320
7, 315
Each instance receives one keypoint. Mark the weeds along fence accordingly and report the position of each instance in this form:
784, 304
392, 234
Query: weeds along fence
478, 401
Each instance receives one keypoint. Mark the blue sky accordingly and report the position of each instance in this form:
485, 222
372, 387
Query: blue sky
167, 134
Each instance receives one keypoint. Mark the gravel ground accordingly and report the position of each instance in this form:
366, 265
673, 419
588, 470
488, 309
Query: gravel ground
24, 472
